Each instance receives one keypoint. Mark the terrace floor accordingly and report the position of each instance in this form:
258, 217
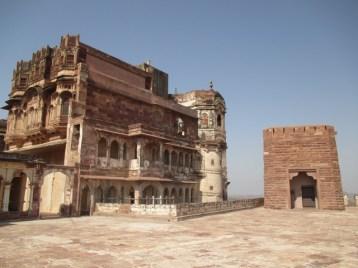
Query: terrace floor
249, 238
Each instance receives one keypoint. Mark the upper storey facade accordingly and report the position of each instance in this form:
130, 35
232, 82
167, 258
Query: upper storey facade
68, 104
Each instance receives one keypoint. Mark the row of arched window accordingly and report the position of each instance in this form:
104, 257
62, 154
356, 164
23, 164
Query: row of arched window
172, 158
114, 149
178, 159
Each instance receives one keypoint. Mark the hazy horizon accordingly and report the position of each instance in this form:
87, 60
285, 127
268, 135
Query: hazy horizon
276, 63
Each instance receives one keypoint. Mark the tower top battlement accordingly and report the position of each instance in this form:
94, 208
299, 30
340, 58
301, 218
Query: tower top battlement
305, 130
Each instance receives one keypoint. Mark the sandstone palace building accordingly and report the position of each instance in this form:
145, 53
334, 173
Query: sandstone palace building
105, 131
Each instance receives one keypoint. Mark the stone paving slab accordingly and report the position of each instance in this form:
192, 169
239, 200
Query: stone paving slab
248, 238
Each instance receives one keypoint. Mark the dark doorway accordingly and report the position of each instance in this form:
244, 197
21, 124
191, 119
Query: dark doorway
85, 201
308, 197
99, 195
16, 194
131, 195
303, 191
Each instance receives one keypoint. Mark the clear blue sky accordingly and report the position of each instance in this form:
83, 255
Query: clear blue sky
275, 62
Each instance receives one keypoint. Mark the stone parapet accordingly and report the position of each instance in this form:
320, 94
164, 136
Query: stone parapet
187, 211
178, 212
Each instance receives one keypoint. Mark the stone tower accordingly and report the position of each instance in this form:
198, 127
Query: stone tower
301, 168
211, 109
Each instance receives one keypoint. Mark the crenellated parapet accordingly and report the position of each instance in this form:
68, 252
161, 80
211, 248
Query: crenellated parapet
308, 130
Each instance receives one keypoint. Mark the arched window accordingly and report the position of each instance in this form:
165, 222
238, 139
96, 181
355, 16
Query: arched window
131, 195
186, 160
166, 196
180, 195
204, 120
180, 159
102, 148
122, 195
50, 113
65, 103
112, 195
114, 150
85, 201
218, 120
173, 195
149, 192
186, 195
124, 151
202, 136
135, 151
192, 195
180, 126
174, 158
166, 157
99, 195
155, 154
30, 118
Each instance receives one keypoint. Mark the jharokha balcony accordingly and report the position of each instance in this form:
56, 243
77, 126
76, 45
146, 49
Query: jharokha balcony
33, 130
57, 124
37, 130
15, 137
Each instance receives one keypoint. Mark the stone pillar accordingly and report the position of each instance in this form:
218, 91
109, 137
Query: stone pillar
139, 155
137, 196
5, 203
92, 208
31, 197
1, 192
36, 195
108, 148
161, 151
356, 200
121, 154
189, 195
170, 160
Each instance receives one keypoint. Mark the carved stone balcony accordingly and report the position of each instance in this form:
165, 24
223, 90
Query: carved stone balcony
140, 129
15, 137
58, 124
33, 130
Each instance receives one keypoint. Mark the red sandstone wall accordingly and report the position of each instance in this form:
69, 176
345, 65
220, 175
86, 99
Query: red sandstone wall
96, 64
301, 148
121, 111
